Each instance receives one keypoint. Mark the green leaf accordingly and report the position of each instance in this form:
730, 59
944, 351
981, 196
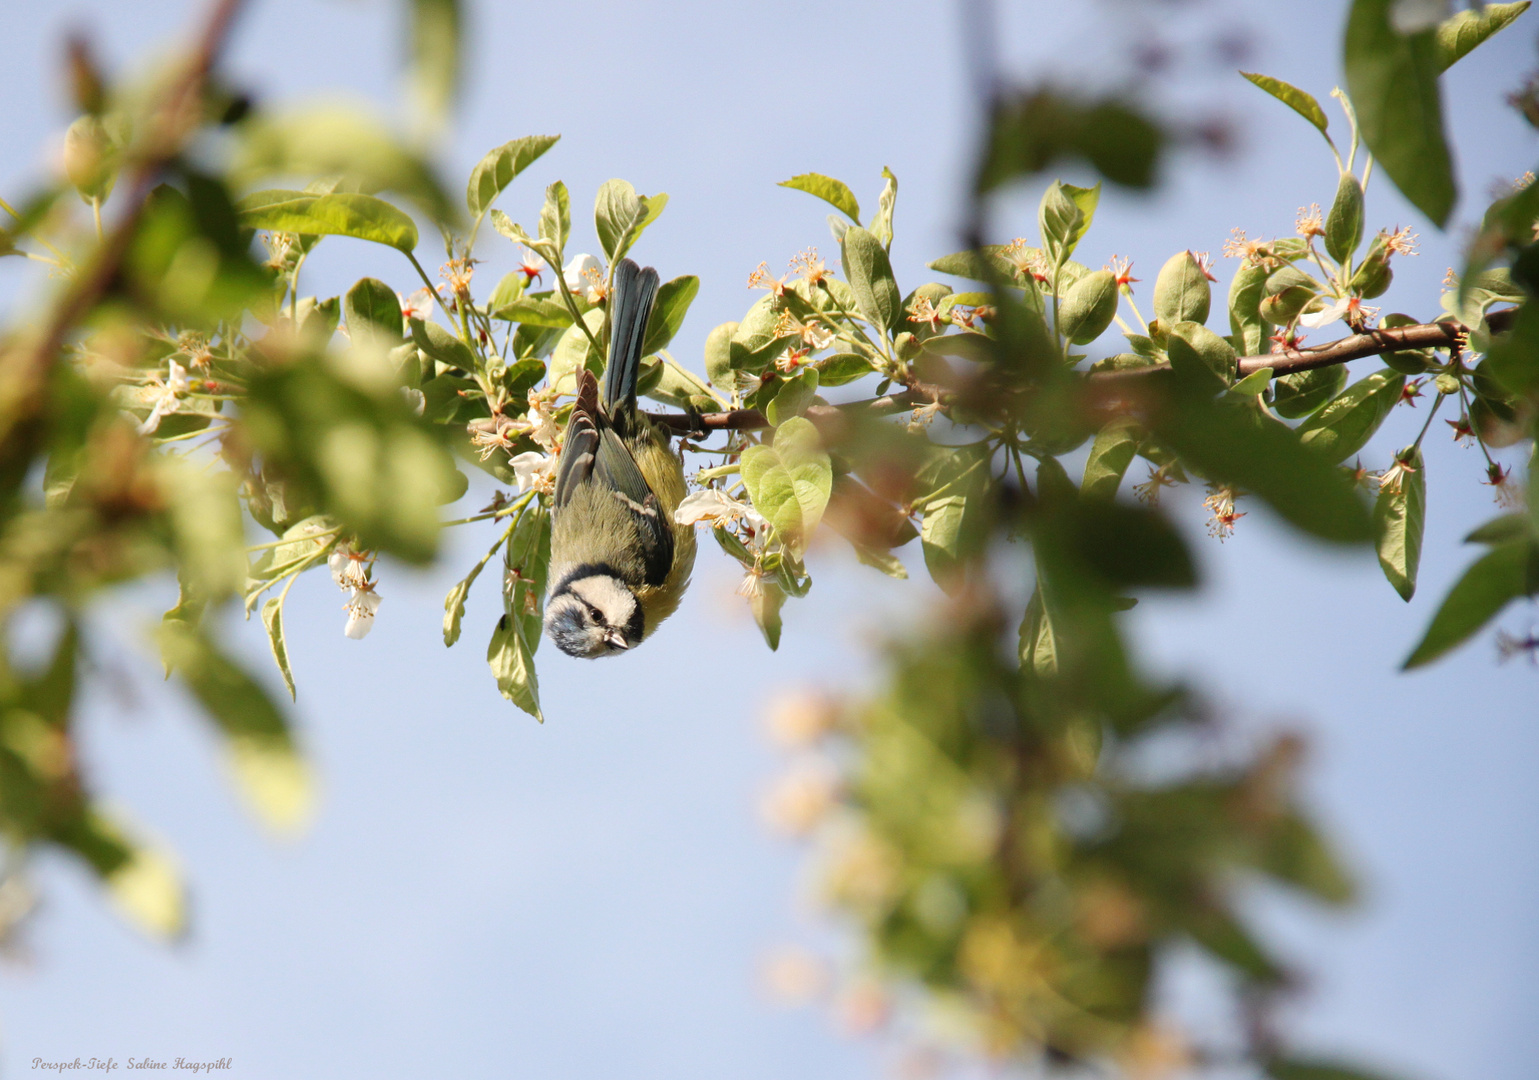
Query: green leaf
1226, 444
1399, 516
869, 273
1181, 291
668, 311
1301, 393
1392, 80
1498, 577
1110, 455
575, 350
337, 142
790, 482
1457, 36
511, 659
881, 224
348, 444
373, 311
765, 605
454, 603
534, 311
441, 345
1200, 357
206, 525
272, 619
954, 503
1089, 307
1064, 216
1344, 223
517, 635
1248, 329
556, 220
271, 774
499, 168
834, 192
1029, 131
620, 215
1254, 384
1298, 100
146, 887
984, 265
340, 214
793, 398
1347, 422
1500, 530
434, 71
1038, 650
1314, 1069
842, 368
515, 232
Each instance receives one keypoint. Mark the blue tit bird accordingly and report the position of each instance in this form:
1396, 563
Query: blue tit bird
619, 563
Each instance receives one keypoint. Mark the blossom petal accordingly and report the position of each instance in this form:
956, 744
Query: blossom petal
1326, 317
360, 608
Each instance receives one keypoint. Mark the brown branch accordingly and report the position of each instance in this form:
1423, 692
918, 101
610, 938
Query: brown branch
1436, 335
23, 375
754, 420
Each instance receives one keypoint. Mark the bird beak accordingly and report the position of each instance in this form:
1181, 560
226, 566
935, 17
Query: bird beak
615, 640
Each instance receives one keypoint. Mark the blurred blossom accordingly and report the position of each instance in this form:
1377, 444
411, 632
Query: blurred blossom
798, 720
1155, 1052
793, 975
1110, 916
801, 799
863, 871
862, 1008
979, 823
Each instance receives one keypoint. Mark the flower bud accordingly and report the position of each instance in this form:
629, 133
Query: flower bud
1181, 292
90, 158
1089, 307
1344, 224
1373, 277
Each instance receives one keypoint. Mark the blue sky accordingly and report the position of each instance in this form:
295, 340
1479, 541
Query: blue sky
482, 896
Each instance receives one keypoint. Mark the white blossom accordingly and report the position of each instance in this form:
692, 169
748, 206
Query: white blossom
347, 566
716, 507
415, 398
534, 471
419, 305
584, 275
165, 401
360, 608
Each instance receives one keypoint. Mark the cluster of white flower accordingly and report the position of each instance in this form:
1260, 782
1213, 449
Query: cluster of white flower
349, 569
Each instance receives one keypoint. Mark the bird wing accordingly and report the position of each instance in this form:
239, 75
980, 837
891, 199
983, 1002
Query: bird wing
594, 452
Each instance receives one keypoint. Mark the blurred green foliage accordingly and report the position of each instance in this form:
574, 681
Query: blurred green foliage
994, 820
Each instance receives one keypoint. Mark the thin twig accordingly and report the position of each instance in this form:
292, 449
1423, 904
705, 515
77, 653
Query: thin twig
22, 375
1438, 335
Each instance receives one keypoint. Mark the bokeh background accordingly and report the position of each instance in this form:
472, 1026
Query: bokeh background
482, 896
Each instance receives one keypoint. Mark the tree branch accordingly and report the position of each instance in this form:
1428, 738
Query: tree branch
753, 419
22, 375
1356, 347
1436, 335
